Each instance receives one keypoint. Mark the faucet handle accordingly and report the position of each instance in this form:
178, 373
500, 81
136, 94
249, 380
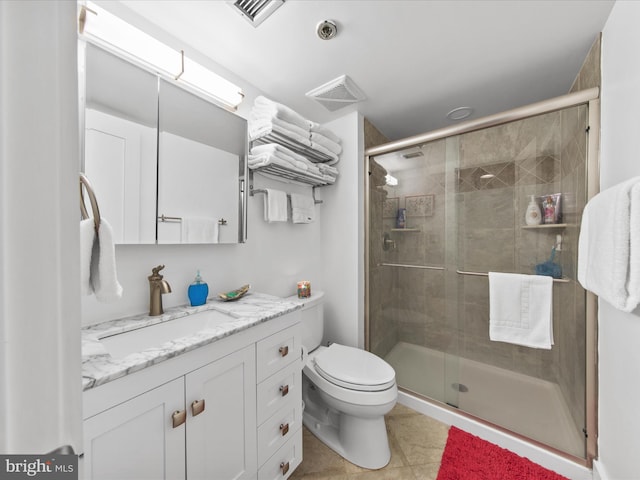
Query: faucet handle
155, 270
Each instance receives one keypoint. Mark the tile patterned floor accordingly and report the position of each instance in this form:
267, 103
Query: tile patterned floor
416, 441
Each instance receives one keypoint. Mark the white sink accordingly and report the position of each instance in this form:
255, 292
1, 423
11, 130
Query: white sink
133, 341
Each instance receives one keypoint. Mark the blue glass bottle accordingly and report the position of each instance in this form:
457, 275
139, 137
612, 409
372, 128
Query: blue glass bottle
198, 291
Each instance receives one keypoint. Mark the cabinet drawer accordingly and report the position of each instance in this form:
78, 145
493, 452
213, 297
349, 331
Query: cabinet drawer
279, 428
281, 388
282, 464
277, 351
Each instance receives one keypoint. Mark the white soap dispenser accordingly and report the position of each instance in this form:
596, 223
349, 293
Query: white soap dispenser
533, 216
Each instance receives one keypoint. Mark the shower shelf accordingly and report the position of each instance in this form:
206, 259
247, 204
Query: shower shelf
545, 225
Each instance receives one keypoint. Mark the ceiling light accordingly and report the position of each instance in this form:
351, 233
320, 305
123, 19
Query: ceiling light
255, 11
487, 176
105, 30
391, 180
460, 113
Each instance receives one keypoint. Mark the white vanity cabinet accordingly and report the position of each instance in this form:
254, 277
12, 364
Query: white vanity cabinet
135, 440
227, 410
279, 404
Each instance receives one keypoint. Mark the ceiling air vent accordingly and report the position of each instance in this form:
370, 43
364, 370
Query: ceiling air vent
255, 11
337, 93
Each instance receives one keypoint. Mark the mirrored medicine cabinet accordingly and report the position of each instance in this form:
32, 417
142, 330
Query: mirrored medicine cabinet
167, 166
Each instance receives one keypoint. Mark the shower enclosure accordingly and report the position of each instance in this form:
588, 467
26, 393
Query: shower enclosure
443, 210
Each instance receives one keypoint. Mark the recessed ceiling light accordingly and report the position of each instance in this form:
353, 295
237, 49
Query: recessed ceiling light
487, 176
460, 113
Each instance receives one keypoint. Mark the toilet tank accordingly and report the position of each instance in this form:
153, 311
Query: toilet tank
312, 314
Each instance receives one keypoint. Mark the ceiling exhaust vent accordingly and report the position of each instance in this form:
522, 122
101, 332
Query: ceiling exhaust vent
255, 11
337, 93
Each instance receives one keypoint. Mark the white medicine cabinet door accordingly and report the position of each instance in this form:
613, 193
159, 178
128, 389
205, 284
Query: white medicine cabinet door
136, 439
221, 439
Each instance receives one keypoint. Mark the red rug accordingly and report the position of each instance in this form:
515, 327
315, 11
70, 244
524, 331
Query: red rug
467, 457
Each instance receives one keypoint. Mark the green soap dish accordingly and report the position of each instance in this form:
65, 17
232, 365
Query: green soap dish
234, 294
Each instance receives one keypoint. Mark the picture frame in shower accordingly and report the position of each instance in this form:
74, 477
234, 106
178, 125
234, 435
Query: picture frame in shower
419, 205
390, 208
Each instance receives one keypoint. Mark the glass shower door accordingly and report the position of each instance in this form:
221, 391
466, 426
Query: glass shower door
410, 321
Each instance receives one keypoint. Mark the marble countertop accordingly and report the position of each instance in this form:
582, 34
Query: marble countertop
99, 367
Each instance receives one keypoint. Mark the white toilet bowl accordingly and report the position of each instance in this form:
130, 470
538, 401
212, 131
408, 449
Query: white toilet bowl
347, 392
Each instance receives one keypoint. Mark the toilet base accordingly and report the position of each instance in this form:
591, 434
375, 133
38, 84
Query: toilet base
361, 441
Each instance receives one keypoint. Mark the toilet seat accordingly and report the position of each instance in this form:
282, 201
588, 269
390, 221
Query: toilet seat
354, 369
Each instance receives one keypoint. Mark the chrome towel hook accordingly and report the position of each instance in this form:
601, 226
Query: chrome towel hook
92, 199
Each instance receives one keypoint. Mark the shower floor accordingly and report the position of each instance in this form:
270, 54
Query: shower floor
525, 405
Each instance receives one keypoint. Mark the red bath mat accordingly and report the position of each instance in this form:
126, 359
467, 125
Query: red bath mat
467, 457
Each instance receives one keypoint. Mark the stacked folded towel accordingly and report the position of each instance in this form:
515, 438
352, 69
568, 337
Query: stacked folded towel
269, 117
275, 154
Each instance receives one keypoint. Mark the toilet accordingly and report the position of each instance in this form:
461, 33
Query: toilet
346, 392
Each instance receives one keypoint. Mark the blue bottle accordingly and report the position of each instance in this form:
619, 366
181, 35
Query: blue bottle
198, 291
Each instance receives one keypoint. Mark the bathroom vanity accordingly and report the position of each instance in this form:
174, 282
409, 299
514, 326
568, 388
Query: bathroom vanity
199, 392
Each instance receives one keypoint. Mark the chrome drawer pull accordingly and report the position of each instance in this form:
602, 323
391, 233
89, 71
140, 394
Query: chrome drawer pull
284, 467
284, 390
284, 428
178, 418
197, 407
284, 351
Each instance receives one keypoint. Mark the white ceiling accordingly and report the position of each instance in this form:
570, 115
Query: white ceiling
415, 60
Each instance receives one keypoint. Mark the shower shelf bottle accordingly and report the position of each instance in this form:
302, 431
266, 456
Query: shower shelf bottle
198, 291
533, 215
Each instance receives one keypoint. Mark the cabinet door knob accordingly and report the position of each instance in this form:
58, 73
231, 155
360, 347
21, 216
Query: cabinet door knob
178, 418
284, 468
284, 428
284, 351
197, 407
284, 390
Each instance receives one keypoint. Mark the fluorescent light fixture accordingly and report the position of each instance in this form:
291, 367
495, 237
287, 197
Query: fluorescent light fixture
391, 180
104, 29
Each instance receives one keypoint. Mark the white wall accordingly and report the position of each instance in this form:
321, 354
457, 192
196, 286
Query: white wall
343, 238
619, 333
40, 398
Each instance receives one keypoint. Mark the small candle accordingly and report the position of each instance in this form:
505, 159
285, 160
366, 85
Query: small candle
304, 289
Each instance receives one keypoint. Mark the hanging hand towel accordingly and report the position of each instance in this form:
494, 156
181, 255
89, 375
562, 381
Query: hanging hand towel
87, 239
303, 208
275, 206
200, 230
521, 309
104, 279
609, 245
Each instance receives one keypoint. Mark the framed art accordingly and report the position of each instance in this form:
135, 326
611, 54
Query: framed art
419, 205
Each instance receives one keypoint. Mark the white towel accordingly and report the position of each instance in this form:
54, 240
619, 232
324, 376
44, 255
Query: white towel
87, 238
303, 208
317, 128
609, 245
103, 275
275, 206
199, 230
283, 112
521, 309
319, 139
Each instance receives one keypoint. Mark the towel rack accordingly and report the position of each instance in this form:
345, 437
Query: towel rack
165, 218
485, 274
92, 199
253, 191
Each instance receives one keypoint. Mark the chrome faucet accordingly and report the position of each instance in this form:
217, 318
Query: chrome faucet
157, 287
